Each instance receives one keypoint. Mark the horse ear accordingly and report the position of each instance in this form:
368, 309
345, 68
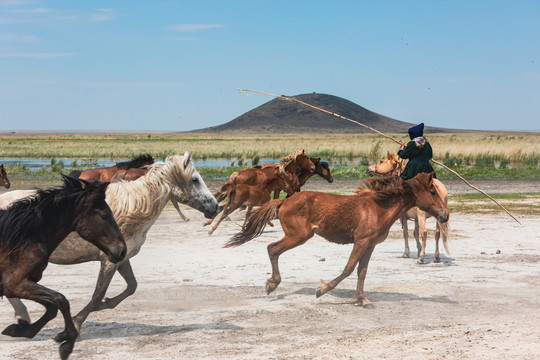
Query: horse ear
388, 154
187, 158
71, 181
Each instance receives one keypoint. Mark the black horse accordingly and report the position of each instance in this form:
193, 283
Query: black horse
32, 228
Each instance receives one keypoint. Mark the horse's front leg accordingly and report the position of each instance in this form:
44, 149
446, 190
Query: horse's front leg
226, 212
359, 248
52, 301
126, 272
405, 229
423, 231
21, 312
437, 257
177, 207
105, 276
362, 271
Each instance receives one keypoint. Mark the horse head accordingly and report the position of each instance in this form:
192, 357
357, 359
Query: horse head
4, 181
322, 169
188, 186
95, 222
427, 196
389, 166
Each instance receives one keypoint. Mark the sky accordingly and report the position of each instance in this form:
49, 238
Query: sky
177, 65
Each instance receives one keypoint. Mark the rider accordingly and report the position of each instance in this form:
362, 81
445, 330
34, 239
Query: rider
418, 151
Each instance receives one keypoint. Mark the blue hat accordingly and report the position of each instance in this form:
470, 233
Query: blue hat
416, 131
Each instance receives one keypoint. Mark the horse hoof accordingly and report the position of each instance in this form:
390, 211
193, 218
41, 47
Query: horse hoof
66, 349
18, 330
61, 337
420, 261
437, 260
319, 292
405, 256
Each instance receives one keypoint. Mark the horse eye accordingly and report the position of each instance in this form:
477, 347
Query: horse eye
104, 216
195, 180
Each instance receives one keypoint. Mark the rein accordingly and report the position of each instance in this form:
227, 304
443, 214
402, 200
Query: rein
286, 98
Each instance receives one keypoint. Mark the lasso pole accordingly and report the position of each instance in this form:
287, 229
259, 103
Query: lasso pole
246, 91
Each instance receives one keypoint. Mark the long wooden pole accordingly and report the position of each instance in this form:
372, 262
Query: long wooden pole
247, 91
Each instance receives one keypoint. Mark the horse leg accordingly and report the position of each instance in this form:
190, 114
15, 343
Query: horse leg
177, 207
126, 272
437, 257
105, 276
52, 301
423, 231
21, 312
362, 271
405, 229
226, 212
358, 251
277, 248
416, 234
276, 194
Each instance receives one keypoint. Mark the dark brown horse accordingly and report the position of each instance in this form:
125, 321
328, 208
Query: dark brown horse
285, 170
107, 173
4, 181
32, 228
321, 168
363, 219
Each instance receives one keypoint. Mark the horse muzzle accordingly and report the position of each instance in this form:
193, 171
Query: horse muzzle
117, 253
444, 216
211, 211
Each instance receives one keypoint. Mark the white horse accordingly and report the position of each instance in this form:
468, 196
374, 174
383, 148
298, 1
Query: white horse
393, 165
136, 205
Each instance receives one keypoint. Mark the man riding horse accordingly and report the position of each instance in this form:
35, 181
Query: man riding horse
418, 151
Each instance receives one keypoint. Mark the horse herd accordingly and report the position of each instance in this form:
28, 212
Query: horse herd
107, 221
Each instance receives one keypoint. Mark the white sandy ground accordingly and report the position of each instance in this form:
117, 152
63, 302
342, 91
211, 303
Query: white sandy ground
197, 300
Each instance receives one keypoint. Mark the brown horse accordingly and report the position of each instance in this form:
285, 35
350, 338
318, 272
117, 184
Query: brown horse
285, 170
363, 219
242, 194
393, 165
106, 174
4, 181
32, 228
321, 168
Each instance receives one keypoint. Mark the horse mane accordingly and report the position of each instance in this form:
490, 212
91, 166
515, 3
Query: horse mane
385, 188
289, 159
136, 162
23, 222
134, 202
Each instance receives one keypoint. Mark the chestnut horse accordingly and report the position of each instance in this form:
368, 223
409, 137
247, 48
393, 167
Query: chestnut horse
4, 181
321, 168
393, 165
107, 173
31, 229
242, 194
363, 219
285, 170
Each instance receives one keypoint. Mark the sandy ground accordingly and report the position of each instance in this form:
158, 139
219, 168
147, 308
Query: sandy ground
197, 300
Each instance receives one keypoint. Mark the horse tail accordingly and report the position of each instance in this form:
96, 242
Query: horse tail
75, 174
224, 192
256, 223
445, 231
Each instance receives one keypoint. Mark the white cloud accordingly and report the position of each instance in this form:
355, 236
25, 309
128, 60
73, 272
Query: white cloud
13, 38
102, 14
32, 11
193, 27
10, 3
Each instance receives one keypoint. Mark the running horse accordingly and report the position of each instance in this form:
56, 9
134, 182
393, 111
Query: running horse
284, 171
126, 171
4, 181
362, 219
136, 205
393, 165
32, 228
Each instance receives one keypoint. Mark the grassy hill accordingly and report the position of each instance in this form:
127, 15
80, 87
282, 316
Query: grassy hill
279, 116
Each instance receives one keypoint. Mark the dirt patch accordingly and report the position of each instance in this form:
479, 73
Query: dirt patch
197, 300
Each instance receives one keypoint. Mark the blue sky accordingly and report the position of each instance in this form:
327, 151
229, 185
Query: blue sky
177, 65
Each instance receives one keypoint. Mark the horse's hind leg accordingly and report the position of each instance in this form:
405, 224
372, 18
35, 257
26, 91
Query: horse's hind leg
126, 272
405, 229
277, 248
21, 312
175, 204
358, 251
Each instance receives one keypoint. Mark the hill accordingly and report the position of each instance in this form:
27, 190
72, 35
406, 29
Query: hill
279, 116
